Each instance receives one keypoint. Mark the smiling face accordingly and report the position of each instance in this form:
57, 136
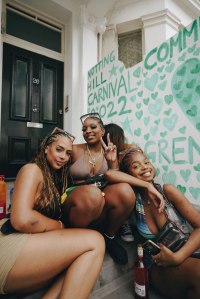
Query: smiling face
140, 167
59, 152
92, 130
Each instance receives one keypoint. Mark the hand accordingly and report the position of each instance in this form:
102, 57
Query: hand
156, 198
110, 150
165, 257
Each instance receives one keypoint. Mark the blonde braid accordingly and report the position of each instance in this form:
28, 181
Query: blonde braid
52, 179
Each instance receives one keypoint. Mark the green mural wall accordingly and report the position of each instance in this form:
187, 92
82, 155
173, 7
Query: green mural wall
157, 103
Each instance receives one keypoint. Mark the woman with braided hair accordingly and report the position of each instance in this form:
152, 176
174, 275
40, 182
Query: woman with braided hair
36, 250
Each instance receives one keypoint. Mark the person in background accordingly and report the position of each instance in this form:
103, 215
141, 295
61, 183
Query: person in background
117, 136
173, 274
37, 251
86, 205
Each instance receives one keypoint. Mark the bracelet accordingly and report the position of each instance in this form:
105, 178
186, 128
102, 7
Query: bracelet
61, 224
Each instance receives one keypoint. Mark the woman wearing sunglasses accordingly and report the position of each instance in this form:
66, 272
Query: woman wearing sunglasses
36, 250
86, 205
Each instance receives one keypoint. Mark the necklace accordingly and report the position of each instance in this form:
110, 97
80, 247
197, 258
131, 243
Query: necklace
93, 160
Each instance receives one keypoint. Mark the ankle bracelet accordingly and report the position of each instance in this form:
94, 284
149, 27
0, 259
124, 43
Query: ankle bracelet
109, 237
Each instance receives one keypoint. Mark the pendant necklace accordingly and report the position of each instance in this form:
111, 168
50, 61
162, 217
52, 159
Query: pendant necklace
94, 160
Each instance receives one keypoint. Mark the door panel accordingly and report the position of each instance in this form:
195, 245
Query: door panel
32, 105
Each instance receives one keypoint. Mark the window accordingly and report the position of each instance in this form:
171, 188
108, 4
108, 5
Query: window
130, 48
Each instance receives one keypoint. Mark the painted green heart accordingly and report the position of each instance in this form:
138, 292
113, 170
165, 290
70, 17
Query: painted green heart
188, 96
163, 134
146, 136
195, 192
137, 132
146, 120
154, 95
138, 105
133, 98
168, 99
137, 72
139, 114
160, 69
168, 112
162, 77
146, 101
153, 130
169, 123
157, 121
165, 167
169, 178
182, 130
185, 174
163, 85
156, 107
181, 188
197, 167
150, 83
170, 68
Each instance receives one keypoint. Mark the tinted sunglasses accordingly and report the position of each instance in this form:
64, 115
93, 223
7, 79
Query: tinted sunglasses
92, 114
65, 133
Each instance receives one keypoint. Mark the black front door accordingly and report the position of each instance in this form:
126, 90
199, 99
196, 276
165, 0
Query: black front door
32, 105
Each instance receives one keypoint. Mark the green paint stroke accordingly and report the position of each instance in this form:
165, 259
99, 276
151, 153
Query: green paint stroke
186, 90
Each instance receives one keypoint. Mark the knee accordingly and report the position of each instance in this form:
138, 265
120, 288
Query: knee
91, 199
125, 195
99, 243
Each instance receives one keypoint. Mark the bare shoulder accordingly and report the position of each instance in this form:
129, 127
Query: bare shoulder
78, 150
182, 204
173, 194
30, 171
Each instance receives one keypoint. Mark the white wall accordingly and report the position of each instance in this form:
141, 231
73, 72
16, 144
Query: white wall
159, 20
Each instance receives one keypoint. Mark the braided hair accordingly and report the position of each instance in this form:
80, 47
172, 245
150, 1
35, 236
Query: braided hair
55, 181
126, 158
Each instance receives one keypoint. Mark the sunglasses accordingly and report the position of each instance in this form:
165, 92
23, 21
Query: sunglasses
92, 114
65, 133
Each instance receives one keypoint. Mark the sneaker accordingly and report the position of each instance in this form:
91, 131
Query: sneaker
116, 250
126, 233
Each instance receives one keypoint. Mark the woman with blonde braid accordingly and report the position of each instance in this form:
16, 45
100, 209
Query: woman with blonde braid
36, 250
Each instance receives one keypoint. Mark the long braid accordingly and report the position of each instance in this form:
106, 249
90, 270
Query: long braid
54, 181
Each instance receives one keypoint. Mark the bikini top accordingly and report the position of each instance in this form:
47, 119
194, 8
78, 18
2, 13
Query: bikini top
80, 169
141, 223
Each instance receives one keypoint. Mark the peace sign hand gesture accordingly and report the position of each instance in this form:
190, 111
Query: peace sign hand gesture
110, 150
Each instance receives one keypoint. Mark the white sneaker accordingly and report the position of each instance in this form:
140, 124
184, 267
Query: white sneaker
126, 233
